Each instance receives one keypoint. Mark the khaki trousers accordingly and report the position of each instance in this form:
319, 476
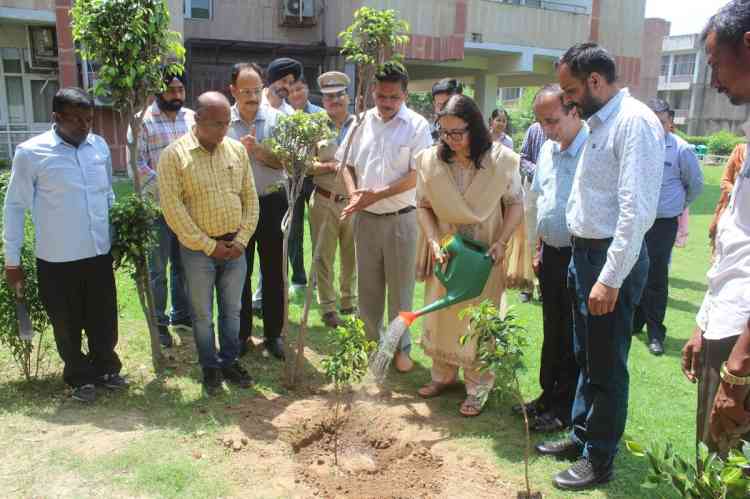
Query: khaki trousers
336, 232
386, 260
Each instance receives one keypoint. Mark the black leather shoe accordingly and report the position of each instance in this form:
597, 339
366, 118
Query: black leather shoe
212, 380
275, 347
656, 348
237, 375
560, 449
547, 423
533, 408
582, 475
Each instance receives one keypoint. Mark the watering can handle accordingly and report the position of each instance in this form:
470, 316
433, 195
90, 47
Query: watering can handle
440, 274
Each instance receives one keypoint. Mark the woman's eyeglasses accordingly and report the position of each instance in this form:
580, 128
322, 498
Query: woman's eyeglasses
455, 135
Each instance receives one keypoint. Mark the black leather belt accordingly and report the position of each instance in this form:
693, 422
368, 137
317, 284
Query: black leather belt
336, 198
225, 237
402, 211
597, 244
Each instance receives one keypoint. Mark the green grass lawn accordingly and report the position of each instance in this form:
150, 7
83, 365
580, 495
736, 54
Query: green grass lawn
161, 435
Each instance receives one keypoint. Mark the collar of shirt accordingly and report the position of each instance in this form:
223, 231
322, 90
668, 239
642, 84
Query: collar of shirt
575, 146
284, 108
57, 139
260, 116
609, 108
669, 141
192, 142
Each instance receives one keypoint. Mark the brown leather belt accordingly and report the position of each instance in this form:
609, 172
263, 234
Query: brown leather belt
597, 244
336, 198
225, 237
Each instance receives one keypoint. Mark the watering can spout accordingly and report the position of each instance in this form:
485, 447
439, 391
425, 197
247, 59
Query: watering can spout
408, 317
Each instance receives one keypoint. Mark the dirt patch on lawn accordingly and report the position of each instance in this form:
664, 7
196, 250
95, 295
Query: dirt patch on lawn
387, 452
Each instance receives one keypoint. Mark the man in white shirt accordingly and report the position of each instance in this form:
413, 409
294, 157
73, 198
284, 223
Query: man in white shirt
721, 333
611, 206
381, 180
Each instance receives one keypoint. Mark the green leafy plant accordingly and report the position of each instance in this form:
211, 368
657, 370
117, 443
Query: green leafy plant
723, 143
294, 143
132, 218
710, 478
500, 349
131, 42
27, 355
347, 364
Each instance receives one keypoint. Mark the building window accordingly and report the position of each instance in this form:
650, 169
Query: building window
16, 102
198, 9
664, 65
42, 92
510, 94
684, 65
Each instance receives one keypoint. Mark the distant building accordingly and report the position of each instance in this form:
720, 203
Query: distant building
685, 82
489, 44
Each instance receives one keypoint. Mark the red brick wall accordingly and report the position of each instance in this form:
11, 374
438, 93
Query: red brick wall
107, 123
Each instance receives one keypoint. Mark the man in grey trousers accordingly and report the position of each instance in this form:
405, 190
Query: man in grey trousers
381, 182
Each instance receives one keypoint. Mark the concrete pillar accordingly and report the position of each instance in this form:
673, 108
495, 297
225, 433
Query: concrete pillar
176, 17
66, 52
486, 93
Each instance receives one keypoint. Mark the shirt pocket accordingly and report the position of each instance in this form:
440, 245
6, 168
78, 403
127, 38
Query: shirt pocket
232, 172
97, 175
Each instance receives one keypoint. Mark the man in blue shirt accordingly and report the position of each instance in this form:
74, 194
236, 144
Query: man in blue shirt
611, 206
681, 184
64, 176
555, 167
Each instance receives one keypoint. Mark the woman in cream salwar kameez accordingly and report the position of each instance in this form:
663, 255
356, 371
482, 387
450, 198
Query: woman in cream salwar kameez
470, 186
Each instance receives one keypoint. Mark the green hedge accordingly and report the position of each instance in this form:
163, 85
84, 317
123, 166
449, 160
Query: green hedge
720, 143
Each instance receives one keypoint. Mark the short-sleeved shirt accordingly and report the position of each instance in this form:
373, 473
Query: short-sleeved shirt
555, 169
265, 121
332, 182
382, 152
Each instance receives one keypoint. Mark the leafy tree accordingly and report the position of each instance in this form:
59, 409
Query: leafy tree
710, 478
722, 143
131, 42
500, 345
294, 143
372, 42
24, 352
347, 364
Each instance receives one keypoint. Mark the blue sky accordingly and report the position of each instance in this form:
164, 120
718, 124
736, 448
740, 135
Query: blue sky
686, 16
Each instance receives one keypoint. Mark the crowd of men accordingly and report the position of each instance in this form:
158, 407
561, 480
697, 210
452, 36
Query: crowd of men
605, 179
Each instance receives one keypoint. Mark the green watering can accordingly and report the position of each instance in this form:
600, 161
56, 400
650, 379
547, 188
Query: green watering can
468, 269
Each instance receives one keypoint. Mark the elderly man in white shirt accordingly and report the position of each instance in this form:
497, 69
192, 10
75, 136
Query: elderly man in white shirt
718, 354
611, 206
381, 182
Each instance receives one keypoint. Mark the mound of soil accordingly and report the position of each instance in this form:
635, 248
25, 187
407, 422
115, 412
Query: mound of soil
372, 461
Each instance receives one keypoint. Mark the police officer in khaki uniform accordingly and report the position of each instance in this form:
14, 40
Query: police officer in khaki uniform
326, 204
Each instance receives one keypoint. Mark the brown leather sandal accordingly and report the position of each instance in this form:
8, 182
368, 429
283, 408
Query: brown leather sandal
433, 389
471, 407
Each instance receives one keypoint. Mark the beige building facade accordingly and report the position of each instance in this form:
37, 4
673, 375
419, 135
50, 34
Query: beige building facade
489, 44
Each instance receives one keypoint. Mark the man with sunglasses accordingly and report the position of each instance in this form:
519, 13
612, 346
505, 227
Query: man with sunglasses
326, 205
380, 178
251, 123
165, 121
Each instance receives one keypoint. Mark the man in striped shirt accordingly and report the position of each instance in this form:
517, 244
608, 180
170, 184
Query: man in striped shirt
165, 121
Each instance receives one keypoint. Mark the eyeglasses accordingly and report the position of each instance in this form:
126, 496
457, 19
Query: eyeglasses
246, 92
335, 96
454, 135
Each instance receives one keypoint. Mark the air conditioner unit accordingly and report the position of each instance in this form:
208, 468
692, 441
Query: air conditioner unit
298, 13
42, 47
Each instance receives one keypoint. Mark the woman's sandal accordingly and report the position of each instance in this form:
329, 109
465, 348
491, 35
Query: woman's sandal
434, 389
471, 407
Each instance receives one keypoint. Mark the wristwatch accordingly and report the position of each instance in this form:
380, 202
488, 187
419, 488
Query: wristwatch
731, 379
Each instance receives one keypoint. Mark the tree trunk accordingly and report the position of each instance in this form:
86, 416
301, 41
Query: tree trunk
300, 355
293, 190
143, 283
527, 449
